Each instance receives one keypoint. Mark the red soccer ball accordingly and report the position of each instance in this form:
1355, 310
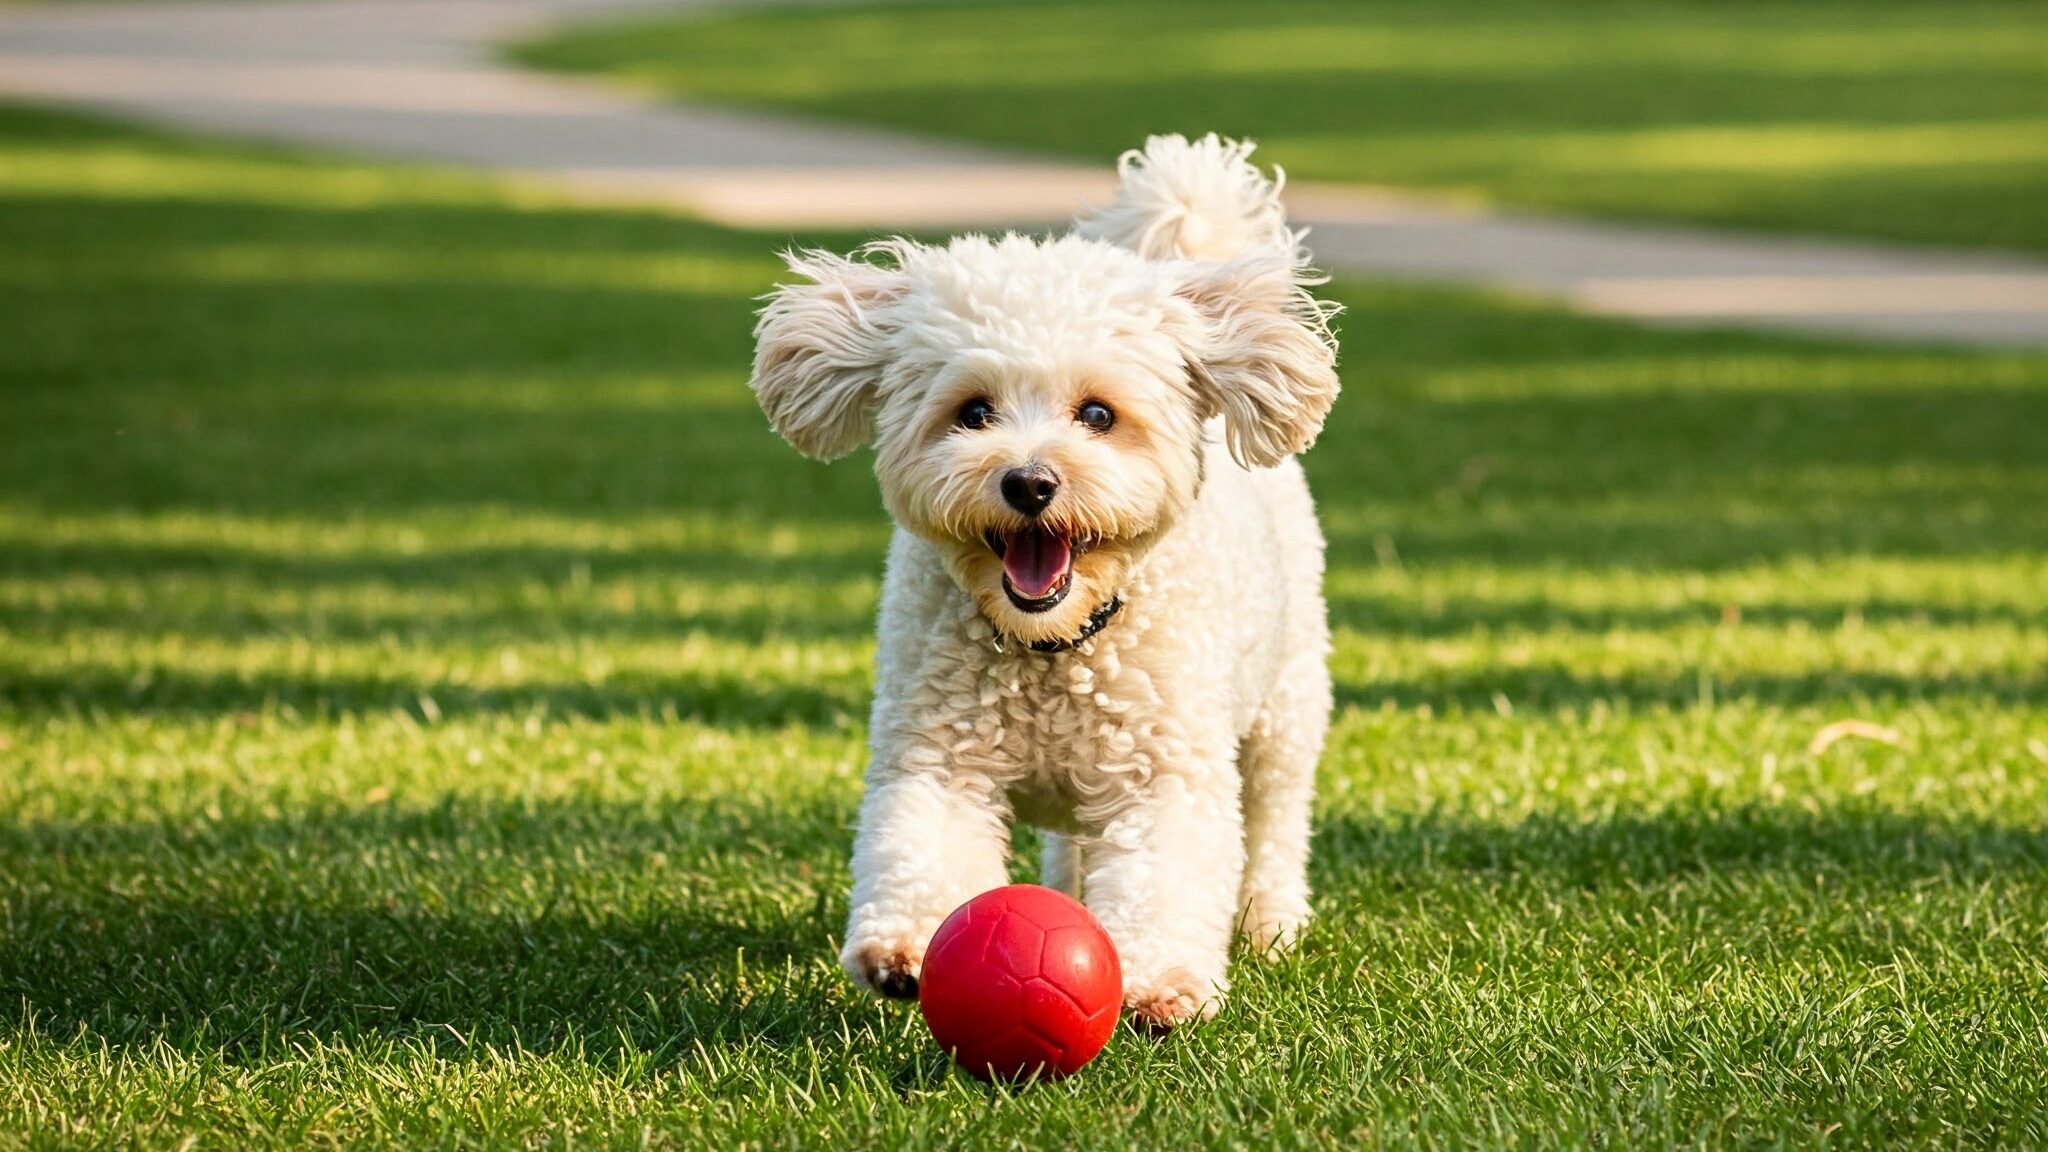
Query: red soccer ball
1021, 981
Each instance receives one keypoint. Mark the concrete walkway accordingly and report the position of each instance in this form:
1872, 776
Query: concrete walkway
418, 78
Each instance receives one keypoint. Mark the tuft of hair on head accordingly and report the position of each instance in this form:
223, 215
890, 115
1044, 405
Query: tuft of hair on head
1181, 199
1261, 354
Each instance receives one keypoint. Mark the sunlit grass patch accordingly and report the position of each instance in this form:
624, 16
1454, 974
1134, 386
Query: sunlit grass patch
50, 154
1795, 150
121, 169
354, 264
1699, 371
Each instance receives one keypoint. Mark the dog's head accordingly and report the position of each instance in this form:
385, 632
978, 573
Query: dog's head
1037, 407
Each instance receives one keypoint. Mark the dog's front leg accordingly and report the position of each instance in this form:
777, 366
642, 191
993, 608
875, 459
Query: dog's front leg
930, 838
1163, 877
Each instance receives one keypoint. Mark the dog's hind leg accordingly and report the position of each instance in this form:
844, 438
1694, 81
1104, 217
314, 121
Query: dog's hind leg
1278, 759
1059, 863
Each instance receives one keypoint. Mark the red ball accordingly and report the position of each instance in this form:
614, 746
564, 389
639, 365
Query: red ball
1021, 981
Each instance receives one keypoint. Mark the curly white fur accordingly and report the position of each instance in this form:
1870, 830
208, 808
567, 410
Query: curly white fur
1193, 200
1172, 755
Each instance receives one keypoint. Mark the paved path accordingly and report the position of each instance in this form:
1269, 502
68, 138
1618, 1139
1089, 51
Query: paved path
418, 78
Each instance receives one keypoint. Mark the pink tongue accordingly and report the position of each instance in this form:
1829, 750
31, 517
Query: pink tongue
1035, 561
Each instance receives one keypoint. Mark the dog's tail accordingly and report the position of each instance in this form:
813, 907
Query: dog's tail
1194, 200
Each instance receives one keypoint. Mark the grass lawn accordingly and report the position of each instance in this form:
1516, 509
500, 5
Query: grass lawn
431, 711
1919, 120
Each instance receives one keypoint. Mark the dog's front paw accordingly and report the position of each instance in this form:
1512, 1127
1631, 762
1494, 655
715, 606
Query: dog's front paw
889, 967
1175, 997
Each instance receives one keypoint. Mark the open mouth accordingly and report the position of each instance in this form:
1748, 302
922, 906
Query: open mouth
1038, 565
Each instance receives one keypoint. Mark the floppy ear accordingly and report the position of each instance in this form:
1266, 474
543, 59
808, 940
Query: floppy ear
1264, 357
819, 350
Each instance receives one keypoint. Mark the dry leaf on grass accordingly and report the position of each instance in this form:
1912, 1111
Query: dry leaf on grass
1827, 737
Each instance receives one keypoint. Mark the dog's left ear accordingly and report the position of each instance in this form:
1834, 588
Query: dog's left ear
1264, 356
819, 351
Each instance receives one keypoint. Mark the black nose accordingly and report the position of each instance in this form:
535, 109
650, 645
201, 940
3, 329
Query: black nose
1030, 488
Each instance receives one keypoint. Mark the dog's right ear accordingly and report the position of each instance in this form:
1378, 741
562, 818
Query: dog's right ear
819, 351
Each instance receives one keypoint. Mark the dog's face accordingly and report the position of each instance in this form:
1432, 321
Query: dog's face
1049, 436
1037, 407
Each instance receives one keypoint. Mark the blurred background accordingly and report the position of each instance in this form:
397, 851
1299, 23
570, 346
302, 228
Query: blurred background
432, 703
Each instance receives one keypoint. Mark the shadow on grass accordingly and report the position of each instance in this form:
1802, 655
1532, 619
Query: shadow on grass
1859, 845
486, 624
1553, 687
1375, 616
745, 701
729, 699
611, 928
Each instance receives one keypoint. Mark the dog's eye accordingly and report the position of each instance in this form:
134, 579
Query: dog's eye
1096, 415
977, 413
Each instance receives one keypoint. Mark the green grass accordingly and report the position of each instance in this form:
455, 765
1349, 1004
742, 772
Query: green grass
1924, 120
431, 711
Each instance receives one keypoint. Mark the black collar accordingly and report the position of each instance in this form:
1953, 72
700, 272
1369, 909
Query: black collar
1097, 621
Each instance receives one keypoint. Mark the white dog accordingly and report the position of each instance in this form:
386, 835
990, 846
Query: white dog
1103, 612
